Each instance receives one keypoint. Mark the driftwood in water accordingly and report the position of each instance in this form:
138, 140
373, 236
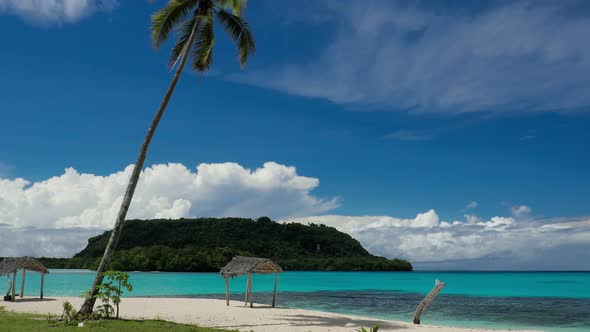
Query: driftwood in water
438, 286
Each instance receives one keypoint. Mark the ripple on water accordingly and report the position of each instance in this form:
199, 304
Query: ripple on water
549, 313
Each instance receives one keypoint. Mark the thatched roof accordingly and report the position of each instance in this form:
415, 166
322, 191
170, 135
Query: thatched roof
241, 265
9, 265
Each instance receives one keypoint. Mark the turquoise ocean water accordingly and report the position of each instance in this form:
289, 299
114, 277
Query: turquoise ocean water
550, 301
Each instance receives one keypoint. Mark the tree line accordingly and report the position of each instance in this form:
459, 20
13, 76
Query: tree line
207, 244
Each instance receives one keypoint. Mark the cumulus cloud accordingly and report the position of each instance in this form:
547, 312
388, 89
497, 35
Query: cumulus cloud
76, 200
471, 205
520, 211
470, 244
55, 11
424, 57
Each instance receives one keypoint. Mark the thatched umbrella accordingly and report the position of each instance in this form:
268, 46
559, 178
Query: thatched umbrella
241, 265
12, 265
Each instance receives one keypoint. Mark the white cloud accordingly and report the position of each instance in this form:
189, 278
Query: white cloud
471, 205
497, 223
76, 199
66, 209
568, 224
55, 11
464, 245
417, 56
472, 219
520, 211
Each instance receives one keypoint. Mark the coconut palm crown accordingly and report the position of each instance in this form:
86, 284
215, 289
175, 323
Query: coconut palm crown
193, 21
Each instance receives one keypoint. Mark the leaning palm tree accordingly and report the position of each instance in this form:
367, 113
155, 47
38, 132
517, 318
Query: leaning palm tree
193, 21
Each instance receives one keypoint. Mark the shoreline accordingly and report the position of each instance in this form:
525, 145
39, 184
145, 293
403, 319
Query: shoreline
214, 313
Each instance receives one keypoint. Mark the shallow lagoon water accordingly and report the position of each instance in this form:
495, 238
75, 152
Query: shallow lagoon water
551, 301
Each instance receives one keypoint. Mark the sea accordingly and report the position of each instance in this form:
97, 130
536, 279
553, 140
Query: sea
547, 301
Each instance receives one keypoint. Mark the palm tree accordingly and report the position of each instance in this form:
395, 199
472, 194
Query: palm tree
193, 21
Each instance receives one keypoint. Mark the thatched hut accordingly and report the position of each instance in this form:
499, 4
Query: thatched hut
241, 265
12, 265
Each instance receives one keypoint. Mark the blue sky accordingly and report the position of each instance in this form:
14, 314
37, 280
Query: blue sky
396, 107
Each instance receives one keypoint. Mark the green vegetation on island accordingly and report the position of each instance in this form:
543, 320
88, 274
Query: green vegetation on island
206, 244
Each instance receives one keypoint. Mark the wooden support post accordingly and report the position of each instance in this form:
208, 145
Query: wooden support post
227, 291
438, 286
274, 294
22, 284
42, 282
251, 291
247, 291
14, 286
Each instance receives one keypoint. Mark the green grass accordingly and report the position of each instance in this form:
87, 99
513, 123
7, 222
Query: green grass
10, 321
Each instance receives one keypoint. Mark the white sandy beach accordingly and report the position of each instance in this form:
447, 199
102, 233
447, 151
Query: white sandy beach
215, 313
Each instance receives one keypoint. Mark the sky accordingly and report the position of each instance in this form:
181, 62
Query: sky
451, 133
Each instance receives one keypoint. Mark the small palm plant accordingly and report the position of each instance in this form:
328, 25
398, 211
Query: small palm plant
69, 314
193, 20
374, 329
111, 292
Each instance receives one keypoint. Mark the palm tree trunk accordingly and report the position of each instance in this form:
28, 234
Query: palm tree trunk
90, 299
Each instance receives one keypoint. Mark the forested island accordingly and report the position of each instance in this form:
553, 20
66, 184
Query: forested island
206, 244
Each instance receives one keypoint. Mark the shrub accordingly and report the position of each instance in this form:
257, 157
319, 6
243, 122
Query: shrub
109, 293
69, 314
374, 329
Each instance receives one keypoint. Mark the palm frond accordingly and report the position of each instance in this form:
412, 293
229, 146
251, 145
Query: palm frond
165, 19
236, 6
184, 32
203, 49
239, 31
